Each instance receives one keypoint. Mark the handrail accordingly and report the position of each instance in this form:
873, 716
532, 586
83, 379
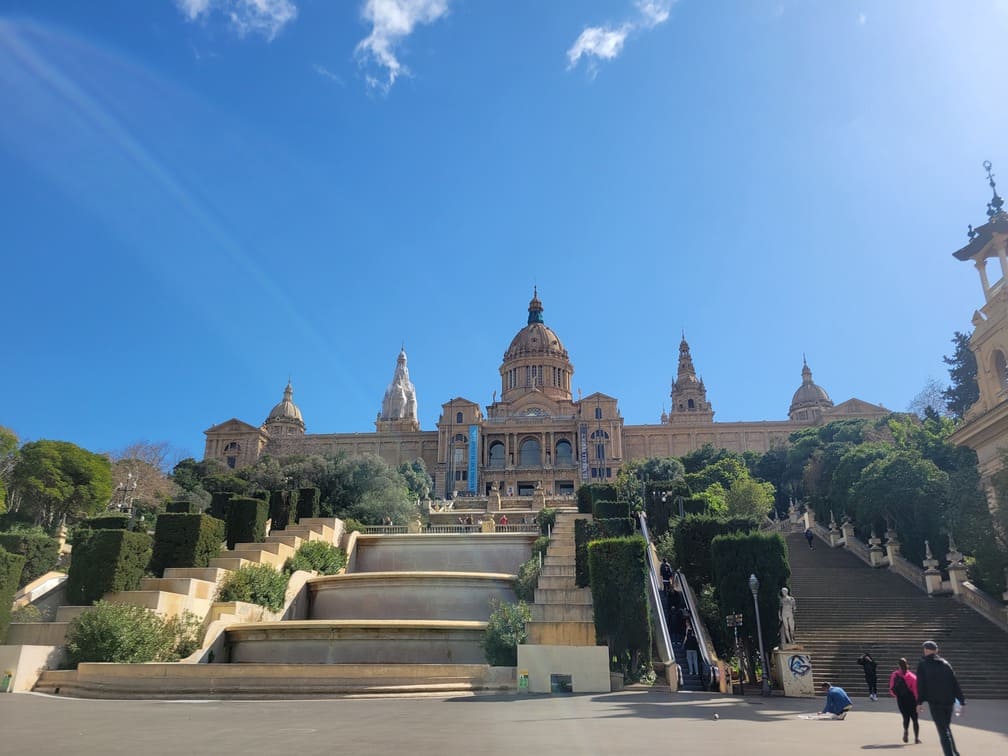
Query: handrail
699, 628
658, 609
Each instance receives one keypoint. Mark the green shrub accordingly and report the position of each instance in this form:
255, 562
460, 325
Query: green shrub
108, 522
317, 556
665, 546
505, 630
693, 536
185, 540
350, 525
546, 519
246, 520
527, 579
307, 503
618, 569
256, 584
11, 566
590, 530
282, 504
41, 553
611, 510
129, 634
183, 507
26, 613
736, 556
219, 502
106, 560
584, 500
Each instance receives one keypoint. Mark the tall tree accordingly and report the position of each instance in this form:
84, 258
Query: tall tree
8, 456
61, 482
931, 397
964, 391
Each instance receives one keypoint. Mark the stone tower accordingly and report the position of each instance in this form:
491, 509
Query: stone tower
399, 406
689, 395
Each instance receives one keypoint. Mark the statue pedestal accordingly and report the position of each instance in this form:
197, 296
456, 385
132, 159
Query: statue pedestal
793, 667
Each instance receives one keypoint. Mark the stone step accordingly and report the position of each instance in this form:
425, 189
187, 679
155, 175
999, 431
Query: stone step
289, 539
210, 574
561, 633
67, 613
562, 613
558, 570
277, 548
570, 596
203, 589
559, 560
164, 603
256, 556
229, 562
556, 582
36, 633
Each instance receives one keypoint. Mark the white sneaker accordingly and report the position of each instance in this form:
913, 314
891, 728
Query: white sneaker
874, 697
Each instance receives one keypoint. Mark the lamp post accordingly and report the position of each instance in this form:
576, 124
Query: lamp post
754, 587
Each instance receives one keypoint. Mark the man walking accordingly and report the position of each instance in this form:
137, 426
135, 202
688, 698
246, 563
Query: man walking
937, 684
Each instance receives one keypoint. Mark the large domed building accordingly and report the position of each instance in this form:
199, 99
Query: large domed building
535, 435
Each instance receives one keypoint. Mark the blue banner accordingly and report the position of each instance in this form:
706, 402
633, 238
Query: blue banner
583, 449
473, 458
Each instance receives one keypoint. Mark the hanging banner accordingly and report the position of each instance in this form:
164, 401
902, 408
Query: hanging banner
473, 458
583, 444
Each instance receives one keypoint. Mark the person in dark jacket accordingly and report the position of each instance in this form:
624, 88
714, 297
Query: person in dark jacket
666, 576
937, 684
870, 674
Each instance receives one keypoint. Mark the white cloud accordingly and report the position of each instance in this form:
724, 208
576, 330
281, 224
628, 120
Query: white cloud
654, 12
325, 73
265, 17
862, 19
391, 22
599, 43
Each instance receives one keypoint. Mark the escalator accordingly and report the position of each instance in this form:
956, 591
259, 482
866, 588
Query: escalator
675, 614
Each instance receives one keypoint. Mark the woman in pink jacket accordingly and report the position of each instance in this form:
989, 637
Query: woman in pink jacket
903, 685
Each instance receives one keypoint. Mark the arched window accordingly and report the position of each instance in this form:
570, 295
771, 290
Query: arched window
601, 438
231, 452
458, 418
496, 455
691, 404
529, 453
598, 413
563, 454
1000, 366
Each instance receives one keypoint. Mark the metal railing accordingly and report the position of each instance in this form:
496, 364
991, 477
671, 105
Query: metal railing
664, 641
707, 654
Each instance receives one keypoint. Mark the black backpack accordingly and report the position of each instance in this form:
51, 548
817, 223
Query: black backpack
900, 687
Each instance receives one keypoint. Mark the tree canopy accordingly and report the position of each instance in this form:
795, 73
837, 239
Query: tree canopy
964, 391
61, 482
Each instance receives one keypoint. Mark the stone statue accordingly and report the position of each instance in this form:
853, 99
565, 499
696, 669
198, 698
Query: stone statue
787, 618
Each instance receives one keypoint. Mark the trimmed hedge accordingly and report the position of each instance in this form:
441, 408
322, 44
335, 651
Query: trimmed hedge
736, 556
282, 504
590, 530
610, 510
307, 503
590, 493
41, 553
317, 556
219, 504
546, 519
618, 569
185, 540
108, 522
11, 566
693, 536
246, 520
183, 507
104, 561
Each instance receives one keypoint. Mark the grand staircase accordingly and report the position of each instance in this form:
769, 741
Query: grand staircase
846, 608
562, 614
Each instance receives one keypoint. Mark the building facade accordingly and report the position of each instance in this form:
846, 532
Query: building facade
534, 434
985, 426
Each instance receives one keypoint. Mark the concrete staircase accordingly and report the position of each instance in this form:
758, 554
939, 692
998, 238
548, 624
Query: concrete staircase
846, 608
562, 614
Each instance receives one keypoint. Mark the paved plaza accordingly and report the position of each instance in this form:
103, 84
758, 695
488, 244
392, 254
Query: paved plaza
632, 721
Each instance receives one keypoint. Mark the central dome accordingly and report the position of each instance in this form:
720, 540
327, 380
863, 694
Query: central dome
535, 338
536, 361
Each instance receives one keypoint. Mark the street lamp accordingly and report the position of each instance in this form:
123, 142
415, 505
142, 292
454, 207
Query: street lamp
126, 489
754, 587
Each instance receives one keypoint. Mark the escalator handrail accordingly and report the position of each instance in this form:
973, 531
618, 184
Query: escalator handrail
665, 646
706, 645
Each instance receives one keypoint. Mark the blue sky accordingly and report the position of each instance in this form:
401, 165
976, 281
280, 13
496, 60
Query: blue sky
201, 198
